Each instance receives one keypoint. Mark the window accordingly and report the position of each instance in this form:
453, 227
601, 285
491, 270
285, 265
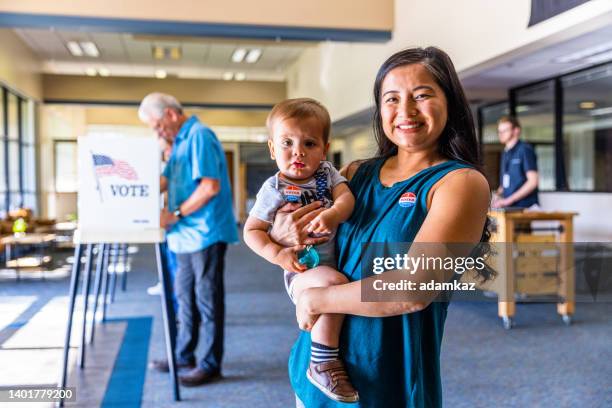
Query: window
491, 147
535, 109
28, 155
568, 120
66, 159
18, 152
587, 129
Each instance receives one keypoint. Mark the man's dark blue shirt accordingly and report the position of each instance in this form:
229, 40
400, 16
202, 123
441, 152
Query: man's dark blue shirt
515, 164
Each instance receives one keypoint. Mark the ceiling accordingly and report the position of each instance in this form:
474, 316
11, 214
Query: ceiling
531, 66
124, 54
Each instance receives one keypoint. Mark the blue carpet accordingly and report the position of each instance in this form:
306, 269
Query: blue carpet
126, 384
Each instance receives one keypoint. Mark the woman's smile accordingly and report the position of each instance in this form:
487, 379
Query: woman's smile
409, 126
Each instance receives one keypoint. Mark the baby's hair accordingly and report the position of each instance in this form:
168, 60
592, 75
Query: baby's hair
300, 108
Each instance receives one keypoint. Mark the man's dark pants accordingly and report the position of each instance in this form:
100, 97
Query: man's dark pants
201, 297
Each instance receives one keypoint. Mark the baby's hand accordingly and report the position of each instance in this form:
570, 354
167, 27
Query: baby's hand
287, 259
324, 223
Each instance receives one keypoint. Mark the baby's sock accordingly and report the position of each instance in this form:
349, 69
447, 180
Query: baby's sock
320, 353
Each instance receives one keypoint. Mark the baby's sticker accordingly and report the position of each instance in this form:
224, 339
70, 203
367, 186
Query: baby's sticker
407, 200
292, 194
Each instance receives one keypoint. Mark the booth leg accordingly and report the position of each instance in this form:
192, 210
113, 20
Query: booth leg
96, 291
169, 319
124, 259
74, 282
86, 285
105, 282
113, 277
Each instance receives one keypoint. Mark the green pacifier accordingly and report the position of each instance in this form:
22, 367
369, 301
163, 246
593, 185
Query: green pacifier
309, 257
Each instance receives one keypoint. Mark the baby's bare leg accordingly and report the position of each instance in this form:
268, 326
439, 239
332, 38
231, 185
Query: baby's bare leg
327, 328
326, 370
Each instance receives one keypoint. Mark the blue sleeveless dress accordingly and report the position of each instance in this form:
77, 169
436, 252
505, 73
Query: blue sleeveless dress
394, 362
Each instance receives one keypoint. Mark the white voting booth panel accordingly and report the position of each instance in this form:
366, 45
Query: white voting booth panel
118, 189
118, 203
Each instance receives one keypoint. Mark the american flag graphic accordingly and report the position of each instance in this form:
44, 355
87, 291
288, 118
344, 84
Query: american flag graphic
106, 166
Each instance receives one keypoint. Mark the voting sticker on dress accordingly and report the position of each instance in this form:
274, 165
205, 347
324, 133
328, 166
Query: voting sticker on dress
506, 181
407, 200
292, 194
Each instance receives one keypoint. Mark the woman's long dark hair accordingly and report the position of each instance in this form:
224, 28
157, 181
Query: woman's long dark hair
458, 139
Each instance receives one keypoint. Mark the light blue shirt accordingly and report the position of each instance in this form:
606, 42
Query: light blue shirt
197, 153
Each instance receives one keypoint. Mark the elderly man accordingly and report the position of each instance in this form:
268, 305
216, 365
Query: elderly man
200, 223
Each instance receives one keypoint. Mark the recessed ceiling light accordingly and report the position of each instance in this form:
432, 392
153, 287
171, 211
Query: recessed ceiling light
587, 105
589, 52
601, 111
90, 49
91, 72
522, 108
604, 56
74, 48
104, 72
175, 53
228, 76
160, 74
240, 76
253, 55
239, 55
158, 52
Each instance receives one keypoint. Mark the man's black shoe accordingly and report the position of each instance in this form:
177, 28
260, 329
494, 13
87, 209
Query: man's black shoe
197, 376
162, 366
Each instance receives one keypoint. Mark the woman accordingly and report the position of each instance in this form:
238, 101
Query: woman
427, 146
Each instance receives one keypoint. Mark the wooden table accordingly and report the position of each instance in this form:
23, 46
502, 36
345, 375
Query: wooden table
34, 239
506, 236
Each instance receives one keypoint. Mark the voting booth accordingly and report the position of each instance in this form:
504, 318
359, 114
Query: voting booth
118, 189
118, 203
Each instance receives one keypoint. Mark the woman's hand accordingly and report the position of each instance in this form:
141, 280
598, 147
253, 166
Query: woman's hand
291, 223
305, 319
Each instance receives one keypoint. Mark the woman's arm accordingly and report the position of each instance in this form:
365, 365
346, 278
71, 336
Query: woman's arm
456, 215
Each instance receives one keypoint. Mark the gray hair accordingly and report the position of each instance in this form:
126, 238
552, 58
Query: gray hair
154, 104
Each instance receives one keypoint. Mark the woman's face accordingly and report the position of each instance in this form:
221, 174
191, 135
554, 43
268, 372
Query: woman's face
413, 108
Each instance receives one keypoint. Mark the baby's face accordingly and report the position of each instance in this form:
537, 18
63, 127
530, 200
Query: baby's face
297, 146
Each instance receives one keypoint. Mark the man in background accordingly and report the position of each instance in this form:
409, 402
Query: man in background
519, 168
200, 222
168, 257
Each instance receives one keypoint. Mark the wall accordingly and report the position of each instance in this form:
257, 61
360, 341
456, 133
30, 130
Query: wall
128, 115
475, 33
593, 223
56, 122
357, 146
345, 14
123, 89
19, 67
